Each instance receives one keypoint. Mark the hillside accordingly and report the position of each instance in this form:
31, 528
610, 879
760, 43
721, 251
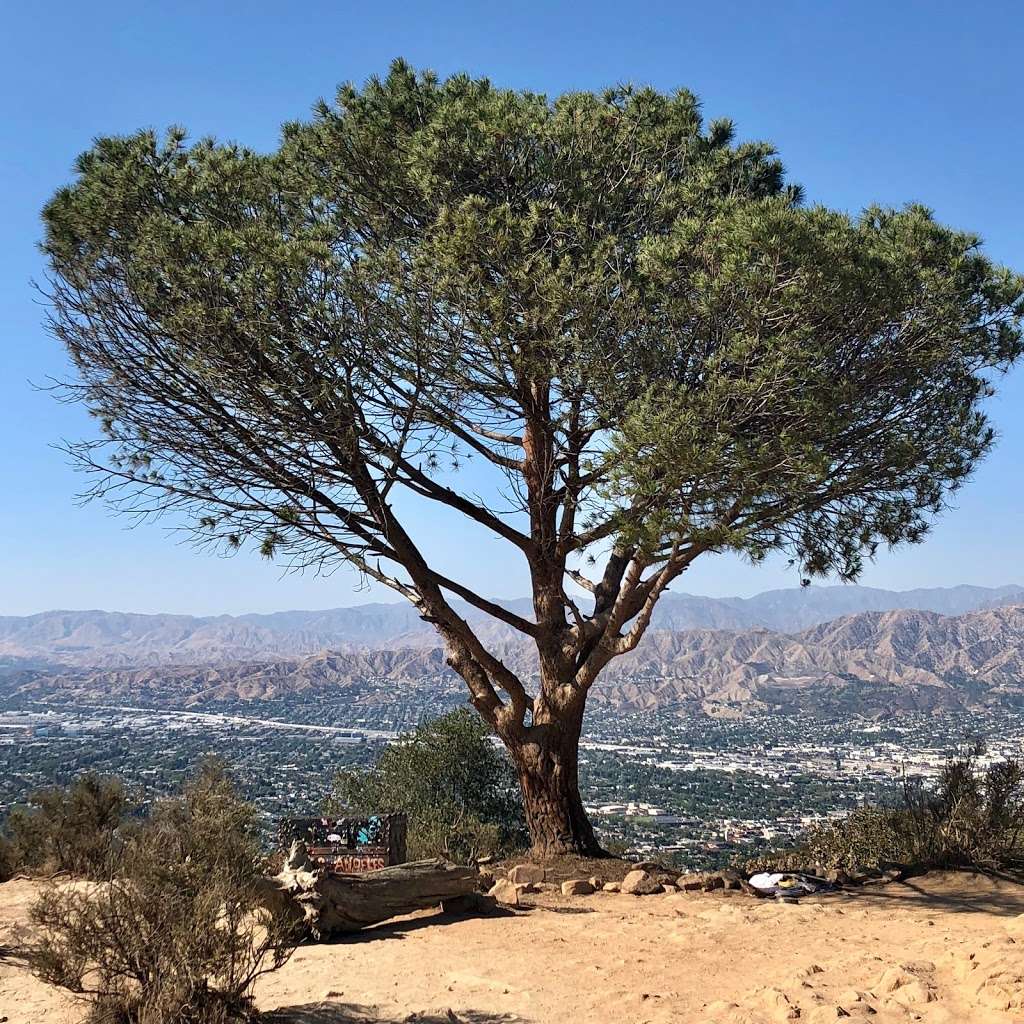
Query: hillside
871, 662
944, 949
119, 639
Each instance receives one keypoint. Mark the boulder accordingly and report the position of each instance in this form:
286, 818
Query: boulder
731, 878
577, 887
640, 883
527, 873
505, 892
611, 887
690, 883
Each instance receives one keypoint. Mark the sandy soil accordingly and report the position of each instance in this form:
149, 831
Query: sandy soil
946, 949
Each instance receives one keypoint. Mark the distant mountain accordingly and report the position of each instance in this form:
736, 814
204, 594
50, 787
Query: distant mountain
122, 639
869, 663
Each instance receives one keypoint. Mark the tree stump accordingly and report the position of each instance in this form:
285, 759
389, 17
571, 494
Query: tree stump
328, 904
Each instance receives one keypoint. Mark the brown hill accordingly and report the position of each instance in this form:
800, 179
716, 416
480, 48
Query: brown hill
868, 662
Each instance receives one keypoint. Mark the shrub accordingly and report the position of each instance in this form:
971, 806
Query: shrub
69, 828
180, 931
969, 818
454, 784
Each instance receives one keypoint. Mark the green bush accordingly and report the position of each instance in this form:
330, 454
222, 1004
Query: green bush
180, 931
69, 828
454, 784
968, 818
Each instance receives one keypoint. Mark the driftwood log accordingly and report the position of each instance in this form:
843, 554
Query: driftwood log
328, 904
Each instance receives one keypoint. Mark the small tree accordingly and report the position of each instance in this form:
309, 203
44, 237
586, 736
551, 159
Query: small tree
457, 788
654, 351
70, 828
181, 930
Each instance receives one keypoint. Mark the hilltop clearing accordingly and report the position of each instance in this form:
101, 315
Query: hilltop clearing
944, 949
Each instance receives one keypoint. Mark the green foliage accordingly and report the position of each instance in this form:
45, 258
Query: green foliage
73, 828
719, 363
455, 785
970, 817
179, 932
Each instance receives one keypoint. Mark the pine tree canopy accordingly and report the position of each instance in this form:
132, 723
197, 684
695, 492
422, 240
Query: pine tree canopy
640, 331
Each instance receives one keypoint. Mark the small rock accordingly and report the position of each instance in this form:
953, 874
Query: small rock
690, 883
669, 887
611, 887
596, 882
505, 892
577, 887
527, 873
640, 883
527, 887
712, 882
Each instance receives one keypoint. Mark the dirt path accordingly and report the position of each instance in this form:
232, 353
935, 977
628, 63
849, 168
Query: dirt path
948, 949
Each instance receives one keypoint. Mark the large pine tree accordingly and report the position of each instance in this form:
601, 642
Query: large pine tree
634, 324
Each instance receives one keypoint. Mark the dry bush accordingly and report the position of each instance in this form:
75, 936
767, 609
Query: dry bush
69, 828
970, 817
179, 933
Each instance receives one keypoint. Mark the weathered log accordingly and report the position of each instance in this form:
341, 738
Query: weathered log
327, 904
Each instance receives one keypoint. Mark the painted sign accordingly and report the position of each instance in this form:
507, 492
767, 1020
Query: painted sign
349, 845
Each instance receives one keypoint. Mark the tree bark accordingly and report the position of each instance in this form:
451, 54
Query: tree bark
325, 904
546, 761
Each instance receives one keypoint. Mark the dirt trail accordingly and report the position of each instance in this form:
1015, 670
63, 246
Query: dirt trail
946, 949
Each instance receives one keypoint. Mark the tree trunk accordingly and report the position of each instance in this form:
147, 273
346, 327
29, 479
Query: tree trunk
547, 761
325, 904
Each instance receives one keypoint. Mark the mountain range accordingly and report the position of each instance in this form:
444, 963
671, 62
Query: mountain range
966, 649
124, 639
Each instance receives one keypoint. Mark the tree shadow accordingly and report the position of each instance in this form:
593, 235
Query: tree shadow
1002, 896
353, 1013
397, 927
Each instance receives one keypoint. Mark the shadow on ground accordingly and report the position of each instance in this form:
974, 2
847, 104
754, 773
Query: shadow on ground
352, 1013
995, 894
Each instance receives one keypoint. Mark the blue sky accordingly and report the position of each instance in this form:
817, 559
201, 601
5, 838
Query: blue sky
868, 102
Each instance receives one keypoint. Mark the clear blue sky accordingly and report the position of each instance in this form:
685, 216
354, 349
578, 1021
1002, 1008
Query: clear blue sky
867, 101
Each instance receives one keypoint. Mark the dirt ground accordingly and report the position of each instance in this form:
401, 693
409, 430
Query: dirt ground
944, 949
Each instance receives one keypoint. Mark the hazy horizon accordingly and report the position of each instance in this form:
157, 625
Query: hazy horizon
672, 592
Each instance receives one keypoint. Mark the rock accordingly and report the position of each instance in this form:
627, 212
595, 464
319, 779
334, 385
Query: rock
611, 887
527, 887
577, 887
485, 881
712, 882
596, 882
838, 876
640, 883
505, 892
527, 873
668, 887
472, 904
690, 883
731, 879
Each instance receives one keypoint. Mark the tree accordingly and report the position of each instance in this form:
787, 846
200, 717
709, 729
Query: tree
654, 350
456, 787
